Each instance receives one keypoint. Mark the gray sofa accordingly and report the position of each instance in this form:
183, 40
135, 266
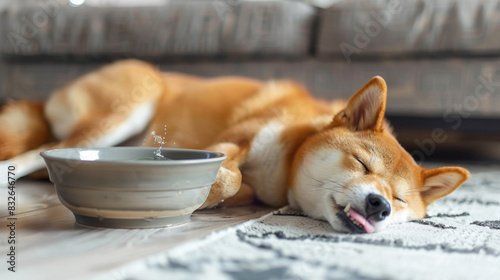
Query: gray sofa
439, 58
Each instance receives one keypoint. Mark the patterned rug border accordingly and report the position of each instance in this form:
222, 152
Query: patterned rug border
458, 239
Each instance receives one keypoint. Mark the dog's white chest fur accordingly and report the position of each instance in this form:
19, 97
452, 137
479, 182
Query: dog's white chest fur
264, 169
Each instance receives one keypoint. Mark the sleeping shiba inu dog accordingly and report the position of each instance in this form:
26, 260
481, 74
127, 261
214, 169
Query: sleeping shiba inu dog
335, 161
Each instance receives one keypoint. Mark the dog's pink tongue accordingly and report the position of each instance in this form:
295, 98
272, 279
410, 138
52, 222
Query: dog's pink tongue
360, 219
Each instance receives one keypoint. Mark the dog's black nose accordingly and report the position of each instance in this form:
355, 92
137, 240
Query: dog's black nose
377, 207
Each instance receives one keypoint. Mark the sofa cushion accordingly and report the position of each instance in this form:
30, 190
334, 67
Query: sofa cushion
177, 29
358, 28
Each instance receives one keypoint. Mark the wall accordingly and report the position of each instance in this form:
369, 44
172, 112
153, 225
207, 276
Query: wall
3, 3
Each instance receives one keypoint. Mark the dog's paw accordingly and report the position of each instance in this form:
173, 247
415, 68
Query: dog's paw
226, 185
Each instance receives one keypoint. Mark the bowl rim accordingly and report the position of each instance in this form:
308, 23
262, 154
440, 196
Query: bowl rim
219, 157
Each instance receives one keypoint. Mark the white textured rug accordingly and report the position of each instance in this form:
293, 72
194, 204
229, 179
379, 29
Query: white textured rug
459, 239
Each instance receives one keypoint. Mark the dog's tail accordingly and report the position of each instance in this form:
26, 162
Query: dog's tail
23, 127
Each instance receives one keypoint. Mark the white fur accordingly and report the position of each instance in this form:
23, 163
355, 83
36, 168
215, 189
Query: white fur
62, 117
400, 217
134, 124
314, 183
264, 168
320, 189
28, 162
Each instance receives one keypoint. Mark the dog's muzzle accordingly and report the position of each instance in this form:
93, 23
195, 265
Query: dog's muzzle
377, 208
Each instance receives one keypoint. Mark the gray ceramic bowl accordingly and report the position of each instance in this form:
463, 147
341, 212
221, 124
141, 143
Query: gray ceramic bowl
116, 187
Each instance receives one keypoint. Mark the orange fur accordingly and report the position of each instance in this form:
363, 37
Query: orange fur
22, 128
282, 145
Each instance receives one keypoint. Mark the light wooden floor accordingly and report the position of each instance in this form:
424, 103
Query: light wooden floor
50, 245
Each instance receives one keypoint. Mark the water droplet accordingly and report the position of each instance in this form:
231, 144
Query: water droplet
158, 139
179, 193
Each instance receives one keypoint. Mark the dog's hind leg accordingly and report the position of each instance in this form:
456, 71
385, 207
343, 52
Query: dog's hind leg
23, 127
100, 132
100, 109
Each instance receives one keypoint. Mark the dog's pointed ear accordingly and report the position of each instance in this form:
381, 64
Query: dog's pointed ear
439, 182
366, 108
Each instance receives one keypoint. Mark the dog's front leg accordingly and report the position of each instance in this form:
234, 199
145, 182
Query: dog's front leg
228, 181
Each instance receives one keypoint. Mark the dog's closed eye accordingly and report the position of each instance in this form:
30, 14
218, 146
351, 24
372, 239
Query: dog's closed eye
367, 170
400, 199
